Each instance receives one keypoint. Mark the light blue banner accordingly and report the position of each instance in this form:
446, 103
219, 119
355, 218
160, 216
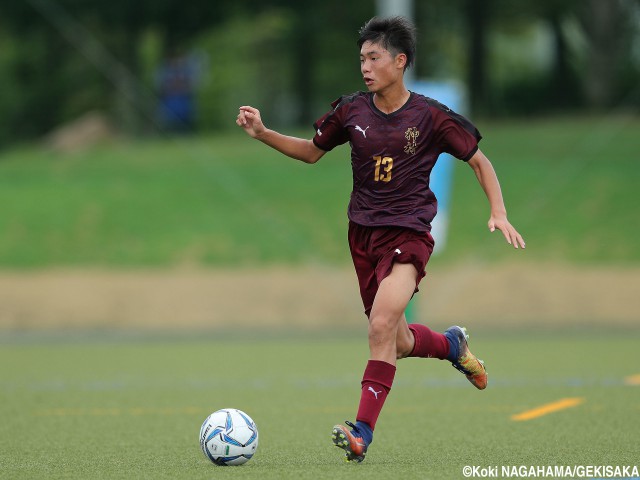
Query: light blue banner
450, 94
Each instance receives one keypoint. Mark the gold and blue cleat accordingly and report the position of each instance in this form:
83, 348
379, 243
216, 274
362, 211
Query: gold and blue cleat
467, 362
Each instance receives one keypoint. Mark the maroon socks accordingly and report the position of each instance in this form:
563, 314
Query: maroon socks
378, 375
429, 344
376, 383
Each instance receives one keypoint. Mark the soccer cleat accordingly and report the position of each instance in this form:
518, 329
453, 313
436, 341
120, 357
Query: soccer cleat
350, 441
467, 362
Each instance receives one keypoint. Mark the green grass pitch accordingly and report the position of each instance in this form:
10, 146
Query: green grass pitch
131, 407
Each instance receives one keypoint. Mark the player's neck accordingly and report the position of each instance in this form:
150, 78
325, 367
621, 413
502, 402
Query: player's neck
392, 98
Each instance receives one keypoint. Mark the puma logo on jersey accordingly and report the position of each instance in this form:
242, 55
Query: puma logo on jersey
374, 392
398, 251
364, 132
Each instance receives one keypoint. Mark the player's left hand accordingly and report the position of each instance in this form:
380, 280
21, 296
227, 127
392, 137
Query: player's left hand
512, 236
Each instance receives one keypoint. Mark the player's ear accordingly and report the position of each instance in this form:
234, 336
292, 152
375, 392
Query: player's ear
401, 60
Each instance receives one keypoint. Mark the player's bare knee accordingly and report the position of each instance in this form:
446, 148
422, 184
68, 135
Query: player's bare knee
383, 322
382, 328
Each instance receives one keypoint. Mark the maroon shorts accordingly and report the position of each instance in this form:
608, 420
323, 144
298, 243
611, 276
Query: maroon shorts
374, 250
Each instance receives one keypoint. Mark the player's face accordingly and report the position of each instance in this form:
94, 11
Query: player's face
379, 67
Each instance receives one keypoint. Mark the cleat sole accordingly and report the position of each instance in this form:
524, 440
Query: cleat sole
341, 441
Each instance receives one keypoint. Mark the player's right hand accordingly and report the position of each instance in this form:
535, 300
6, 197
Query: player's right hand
249, 119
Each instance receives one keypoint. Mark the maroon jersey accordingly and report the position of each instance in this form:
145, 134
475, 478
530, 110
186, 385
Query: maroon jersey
392, 155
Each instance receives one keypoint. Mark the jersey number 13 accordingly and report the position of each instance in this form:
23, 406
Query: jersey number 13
382, 172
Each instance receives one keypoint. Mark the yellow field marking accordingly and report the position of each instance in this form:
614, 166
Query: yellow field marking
547, 408
633, 380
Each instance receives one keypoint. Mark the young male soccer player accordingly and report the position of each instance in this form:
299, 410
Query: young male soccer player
395, 137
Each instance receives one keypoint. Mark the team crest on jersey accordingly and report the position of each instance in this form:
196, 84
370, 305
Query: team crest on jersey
411, 135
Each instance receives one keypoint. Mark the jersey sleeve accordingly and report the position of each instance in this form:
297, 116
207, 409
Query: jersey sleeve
456, 135
330, 131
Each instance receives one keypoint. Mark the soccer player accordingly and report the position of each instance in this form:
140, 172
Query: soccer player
396, 137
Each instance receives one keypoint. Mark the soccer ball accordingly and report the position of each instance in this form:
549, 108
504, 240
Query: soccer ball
229, 437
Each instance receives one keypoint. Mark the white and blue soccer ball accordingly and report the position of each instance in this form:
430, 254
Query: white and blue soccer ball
229, 437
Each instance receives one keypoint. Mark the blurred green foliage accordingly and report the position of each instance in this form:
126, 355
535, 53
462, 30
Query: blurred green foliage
263, 77
63, 58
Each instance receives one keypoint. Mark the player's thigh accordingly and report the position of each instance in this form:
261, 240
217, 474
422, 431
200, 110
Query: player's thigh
394, 293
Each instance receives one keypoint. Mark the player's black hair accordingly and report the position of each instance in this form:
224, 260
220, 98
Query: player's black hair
395, 34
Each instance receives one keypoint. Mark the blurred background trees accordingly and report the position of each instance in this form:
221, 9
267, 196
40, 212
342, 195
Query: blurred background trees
63, 58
